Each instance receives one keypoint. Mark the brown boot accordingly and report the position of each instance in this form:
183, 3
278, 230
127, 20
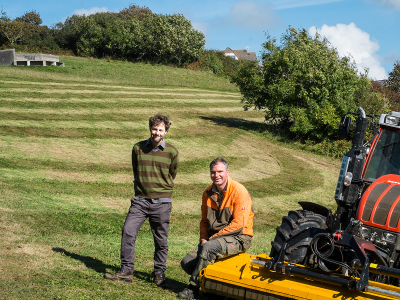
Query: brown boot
189, 292
125, 276
159, 279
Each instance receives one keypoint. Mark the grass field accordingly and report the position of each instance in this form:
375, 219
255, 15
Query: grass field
66, 136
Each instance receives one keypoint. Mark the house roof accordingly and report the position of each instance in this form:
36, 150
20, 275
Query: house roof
241, 54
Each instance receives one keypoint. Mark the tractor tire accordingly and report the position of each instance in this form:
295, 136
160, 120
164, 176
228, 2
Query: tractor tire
295, 222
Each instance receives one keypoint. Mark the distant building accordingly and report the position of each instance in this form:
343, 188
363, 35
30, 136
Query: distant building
240, 54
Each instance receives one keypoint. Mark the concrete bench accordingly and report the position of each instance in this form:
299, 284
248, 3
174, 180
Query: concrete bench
8, 57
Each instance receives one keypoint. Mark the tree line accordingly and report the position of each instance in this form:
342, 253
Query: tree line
135, 34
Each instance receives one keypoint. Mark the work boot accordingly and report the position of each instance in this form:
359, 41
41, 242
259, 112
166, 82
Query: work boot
189, 292
159, 279
125, 276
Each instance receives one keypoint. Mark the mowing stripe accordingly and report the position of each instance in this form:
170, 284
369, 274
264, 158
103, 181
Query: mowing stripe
71, 91
115, 100
129, 111
102, 86
90, 124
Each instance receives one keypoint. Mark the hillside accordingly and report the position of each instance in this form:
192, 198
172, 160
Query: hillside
66, 136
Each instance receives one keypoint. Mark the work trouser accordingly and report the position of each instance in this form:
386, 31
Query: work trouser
159, 216
204, 254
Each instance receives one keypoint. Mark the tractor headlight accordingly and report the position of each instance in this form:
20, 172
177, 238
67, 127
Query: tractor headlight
390, 120
390, 238
348, 178
365, 232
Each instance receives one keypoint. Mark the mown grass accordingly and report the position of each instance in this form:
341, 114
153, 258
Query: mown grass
66, 136
123, 74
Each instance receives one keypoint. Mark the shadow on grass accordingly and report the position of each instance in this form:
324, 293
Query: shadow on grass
240, 123
277, 131
98, 266
90, 262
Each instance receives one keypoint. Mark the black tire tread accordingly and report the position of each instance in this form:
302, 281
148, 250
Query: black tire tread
293, 223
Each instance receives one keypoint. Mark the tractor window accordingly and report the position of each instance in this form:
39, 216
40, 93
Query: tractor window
386, 156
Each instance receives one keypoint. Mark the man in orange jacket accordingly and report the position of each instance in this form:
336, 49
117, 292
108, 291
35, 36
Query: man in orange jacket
226, 226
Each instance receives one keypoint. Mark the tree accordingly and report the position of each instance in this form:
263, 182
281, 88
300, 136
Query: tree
167, 39
393, 81
136, 12
21, 28
304, 85
31, 17
158, 39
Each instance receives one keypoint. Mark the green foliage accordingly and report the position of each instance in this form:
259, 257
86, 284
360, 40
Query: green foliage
14, 30
386, 99
168, 39
99, 35
218, 63
376, 103
25, 31
135, 12
249, 78
393, 81
31, 17
135, 34
304, 85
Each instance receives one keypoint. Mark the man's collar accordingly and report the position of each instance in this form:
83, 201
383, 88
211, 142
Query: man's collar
214, 188
162, 145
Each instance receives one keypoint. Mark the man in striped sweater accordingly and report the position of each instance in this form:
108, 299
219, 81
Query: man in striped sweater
155, 164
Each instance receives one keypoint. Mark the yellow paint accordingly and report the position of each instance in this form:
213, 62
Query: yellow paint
240, 272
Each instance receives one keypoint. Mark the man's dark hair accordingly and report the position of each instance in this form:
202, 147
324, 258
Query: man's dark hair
219, 160
158, 119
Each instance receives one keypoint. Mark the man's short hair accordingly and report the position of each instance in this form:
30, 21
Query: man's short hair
219, 160
158, 119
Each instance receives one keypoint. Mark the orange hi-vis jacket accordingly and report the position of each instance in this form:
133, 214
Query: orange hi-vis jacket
233, 217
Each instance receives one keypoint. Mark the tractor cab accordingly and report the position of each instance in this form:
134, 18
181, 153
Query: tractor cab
384, 157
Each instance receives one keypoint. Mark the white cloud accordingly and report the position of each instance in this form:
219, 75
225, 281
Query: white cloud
202, 27
350, 40
251, 15
390, 3
90, 11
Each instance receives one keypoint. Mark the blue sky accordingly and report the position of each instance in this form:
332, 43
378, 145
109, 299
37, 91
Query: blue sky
368, 30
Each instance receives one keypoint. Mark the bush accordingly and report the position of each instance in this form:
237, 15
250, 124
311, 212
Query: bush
157, 39
304, 85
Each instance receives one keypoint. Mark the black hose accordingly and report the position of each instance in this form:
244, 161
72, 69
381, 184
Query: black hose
324, 256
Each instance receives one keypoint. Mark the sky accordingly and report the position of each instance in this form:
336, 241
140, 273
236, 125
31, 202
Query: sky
366, 30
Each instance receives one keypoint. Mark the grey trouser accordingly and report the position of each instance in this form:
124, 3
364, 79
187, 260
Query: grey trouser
204, 254
159, 215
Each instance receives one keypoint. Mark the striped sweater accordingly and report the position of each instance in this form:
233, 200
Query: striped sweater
154, 172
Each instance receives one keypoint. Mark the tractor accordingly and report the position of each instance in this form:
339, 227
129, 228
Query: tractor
353, 253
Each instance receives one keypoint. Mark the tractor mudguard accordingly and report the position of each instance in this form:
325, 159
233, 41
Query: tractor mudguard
316, 208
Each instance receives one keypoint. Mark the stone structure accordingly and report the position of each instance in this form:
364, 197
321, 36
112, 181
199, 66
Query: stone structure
8, 57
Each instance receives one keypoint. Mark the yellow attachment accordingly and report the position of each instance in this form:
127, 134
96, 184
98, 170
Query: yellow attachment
238, 278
